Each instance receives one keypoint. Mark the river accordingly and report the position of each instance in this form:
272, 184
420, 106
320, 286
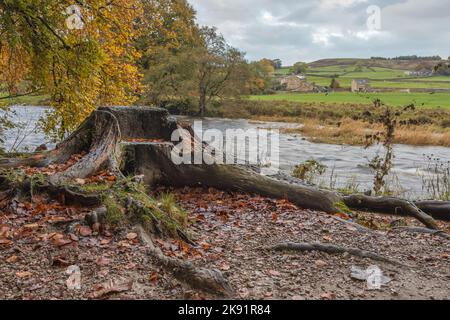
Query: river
346, 164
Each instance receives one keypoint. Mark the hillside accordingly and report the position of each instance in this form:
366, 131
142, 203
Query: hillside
390, 64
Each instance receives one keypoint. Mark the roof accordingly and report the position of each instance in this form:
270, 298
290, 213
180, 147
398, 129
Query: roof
361, 81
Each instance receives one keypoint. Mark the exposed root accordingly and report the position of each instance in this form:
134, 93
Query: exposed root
333, 249
439, 210
211, 281
391, 206
432, 232
355, 225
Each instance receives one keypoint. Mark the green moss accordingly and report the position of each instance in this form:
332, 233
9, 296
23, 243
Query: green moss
114, 211
169, 205
343, 207
95, 187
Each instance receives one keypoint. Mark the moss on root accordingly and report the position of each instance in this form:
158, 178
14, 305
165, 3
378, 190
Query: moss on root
343, 208
127, 201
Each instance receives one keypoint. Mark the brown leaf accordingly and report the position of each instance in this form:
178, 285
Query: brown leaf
112, 286
274, 216
85, 231
24, 274
5, 241
12, 259
32, 226
153, 277
132, 236
321, 263
59, 240
225, 267
60, 262
102, 261
328, 296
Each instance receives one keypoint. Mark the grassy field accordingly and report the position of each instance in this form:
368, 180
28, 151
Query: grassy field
425, 100
31, 100
381, 77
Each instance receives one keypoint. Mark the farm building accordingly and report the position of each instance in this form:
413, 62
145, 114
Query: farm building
361, 85
297, 83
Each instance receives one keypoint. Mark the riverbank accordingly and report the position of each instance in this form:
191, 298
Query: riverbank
28, 100
345, 123
321, 122
39, 246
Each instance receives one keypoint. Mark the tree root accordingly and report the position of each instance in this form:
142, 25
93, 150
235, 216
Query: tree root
391, 206
439, 210
210, 281
333, 249
432, 232
355, 225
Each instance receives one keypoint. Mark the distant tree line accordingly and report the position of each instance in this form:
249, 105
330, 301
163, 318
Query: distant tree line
413, 57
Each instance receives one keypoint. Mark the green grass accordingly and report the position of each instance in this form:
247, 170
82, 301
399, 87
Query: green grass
283, 71
381, 77
30, 100
392, 98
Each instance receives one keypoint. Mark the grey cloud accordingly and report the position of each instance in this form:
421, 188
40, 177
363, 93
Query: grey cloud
307, 30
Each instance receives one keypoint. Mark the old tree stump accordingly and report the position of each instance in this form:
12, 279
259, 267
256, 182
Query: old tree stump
136, 142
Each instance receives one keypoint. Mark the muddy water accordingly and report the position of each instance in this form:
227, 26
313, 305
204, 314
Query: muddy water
346, 164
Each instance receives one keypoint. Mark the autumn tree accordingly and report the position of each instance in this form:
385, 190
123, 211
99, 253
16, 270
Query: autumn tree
81, 55
170, 28
218, 70
208, 70
261, 76
299, 68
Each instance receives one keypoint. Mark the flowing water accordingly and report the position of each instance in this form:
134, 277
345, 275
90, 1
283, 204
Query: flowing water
346, 164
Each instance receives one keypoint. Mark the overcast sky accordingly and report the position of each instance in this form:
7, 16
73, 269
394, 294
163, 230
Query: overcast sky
308, 30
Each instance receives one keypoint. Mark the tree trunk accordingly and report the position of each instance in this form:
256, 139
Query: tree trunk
202, 104
136, 141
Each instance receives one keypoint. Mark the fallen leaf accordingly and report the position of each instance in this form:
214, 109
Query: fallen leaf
85, 231
274, 216
12, 259
321, 263
60, 262
32, 226
132, 236
73, 237
102, 261
59, 240
112, 286
225, 267
153, 277
328, 296
24, 274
